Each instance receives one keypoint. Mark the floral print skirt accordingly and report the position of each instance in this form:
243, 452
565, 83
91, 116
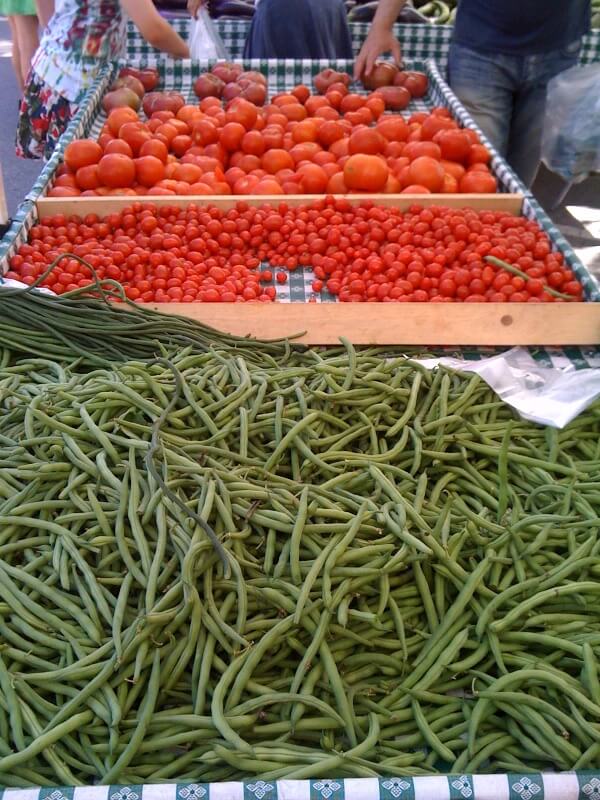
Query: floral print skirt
43, 117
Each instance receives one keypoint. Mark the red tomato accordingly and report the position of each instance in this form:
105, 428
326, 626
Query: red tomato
416, 83
67, 179
415, 150
366, 140
135, 134
393, 127
116, 171
352, 102
306, 131
415, 188
479, 155
232, 135
118, 117
268, 186
87, 177
242, 112
118, 146
477, 182
274, 160
428, 172
435, 124
366, 172
64, 191
301, 93
82, 153
155, 148
313, 179
455, 145
149, 170
180, 144
253, 143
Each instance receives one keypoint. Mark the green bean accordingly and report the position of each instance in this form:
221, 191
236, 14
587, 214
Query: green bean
400, 561
146, 711
296, 536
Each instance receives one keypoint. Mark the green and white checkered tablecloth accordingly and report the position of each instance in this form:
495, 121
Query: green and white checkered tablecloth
418, 41
565, 786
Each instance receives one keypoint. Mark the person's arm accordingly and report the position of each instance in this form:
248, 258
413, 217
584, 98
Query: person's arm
155, 30
45, 10
381, 38
194, 6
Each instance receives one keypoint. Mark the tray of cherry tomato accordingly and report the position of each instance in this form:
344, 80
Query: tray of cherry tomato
314, 250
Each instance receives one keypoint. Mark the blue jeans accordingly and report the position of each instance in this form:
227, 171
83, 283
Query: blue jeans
506, 96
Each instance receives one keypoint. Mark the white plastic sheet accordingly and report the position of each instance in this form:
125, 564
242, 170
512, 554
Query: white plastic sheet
205, 42
545, 395
9, 283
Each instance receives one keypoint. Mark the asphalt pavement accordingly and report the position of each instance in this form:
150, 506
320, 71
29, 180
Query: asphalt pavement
19, 174
578, 216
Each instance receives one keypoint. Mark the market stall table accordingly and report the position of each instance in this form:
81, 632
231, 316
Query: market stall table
568, 323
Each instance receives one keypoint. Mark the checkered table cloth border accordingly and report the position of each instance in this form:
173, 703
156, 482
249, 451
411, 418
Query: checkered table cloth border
519, 786
418, 41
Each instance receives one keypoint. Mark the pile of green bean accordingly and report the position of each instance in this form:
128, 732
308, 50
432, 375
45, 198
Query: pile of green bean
89, 325
406, 579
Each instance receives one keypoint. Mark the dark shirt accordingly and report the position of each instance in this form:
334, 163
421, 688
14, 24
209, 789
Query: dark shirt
299, 29
521, 27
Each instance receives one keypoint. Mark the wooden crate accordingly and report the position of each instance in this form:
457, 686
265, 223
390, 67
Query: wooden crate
454, 324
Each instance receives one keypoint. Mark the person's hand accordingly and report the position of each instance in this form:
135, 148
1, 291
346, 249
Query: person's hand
376, 43
194, 6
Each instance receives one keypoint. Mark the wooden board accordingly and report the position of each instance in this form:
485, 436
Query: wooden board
479, 324
48, 206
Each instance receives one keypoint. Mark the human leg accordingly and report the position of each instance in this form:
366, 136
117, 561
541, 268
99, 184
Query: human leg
45, 9
16, 55
26, 27
524, 148
485, 85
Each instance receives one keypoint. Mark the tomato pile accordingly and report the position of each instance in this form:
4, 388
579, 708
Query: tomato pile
360, 253
337, 142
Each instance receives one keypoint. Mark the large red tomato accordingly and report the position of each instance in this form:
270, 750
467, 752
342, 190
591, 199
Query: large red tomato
82, 153
478, 182
149, 170
162, 101
428, 172
117, 171
118, 117
148, 77
366, 173
455, 145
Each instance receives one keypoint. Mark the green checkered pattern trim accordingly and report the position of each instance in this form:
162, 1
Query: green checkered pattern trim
519, 786
418, 41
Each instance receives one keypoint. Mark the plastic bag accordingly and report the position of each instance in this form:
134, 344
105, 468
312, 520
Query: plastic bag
571, 138
9, 283
546, 395
205, 42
